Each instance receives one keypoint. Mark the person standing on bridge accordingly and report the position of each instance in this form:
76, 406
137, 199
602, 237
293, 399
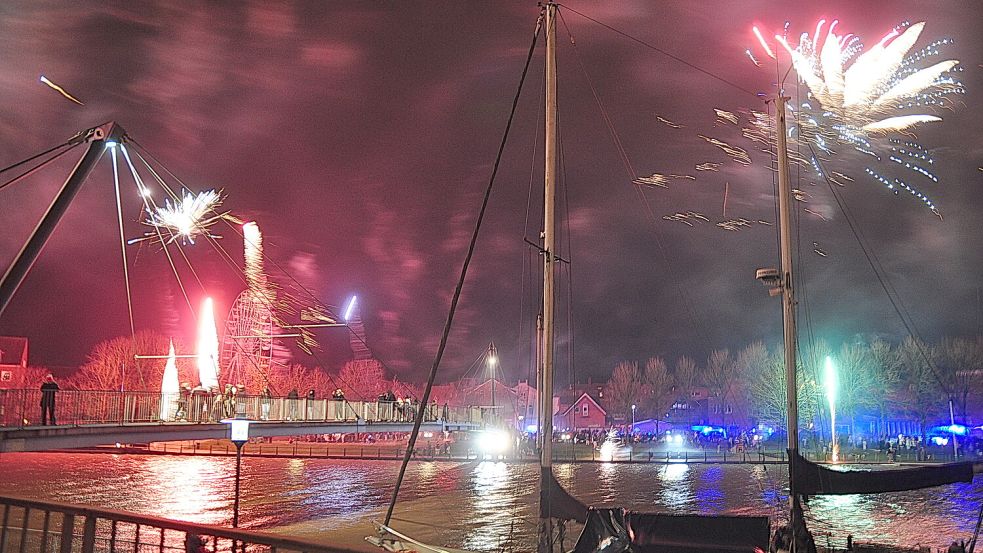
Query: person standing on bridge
48, 389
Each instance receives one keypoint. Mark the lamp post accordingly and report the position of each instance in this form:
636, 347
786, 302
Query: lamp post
239, 435
492, 361
632, 433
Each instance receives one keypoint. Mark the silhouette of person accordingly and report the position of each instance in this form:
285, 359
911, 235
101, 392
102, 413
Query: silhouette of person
48, 389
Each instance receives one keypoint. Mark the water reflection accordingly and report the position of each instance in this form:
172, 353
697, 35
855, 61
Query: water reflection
193, 489
475, 504
675, 493
492, 506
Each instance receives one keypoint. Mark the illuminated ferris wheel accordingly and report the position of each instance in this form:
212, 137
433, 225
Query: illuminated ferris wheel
247, 345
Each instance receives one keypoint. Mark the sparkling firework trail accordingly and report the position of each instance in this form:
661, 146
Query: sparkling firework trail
662, 181
687, 217
184, 220
668, 122
60, 90
857, 99
725, 116
736, 153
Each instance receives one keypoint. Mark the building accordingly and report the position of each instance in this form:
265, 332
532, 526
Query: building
585, 413
13, 360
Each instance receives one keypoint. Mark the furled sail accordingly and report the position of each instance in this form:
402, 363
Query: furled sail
560, 504
814, 479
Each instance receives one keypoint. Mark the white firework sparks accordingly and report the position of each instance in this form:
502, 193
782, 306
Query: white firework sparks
184, 220
857, 99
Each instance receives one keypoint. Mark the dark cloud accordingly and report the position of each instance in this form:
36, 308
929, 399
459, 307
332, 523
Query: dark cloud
361, 136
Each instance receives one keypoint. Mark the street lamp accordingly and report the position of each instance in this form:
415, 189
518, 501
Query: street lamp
239, 435
633, 419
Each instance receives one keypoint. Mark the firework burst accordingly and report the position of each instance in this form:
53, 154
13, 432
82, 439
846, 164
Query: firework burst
186, 219
865, 101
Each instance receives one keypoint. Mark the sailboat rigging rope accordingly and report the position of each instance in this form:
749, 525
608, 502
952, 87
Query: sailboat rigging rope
227, 258
160, 235
889, 290
567, 254
122, 243
464, 273
72, 142
661, 51
630, 170
34, 169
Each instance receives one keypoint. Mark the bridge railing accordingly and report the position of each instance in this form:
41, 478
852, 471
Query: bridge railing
22, 407
43, 526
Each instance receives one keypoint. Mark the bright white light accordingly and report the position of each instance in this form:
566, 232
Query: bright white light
351, 306
239, 429
207, 346
111, 143
493, 442
532, 428
677, 439
830, 380
169, 387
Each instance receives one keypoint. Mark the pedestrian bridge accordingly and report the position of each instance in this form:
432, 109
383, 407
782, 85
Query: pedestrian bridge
92, 418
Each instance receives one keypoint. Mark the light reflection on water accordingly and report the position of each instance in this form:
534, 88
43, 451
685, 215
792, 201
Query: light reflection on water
471, 505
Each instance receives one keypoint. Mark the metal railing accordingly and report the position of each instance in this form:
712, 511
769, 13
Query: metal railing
22, 408
43, 526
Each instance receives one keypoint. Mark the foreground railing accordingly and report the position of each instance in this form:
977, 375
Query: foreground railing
20, 408
41, 526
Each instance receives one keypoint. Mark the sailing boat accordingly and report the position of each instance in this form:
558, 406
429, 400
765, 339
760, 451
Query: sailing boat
555, 503
617, 530
606, 529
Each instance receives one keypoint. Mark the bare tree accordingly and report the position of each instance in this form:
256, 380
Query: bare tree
658, 388
887, 365
767, 390
858, 381
111, 364
919, 385
624, 387
720, 375
958, 360
29, 378
366, 378
686, 376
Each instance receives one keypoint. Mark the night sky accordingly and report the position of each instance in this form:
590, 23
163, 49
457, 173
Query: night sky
361, 135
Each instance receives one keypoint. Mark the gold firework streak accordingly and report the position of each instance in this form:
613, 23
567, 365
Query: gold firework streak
668, 122
61, 90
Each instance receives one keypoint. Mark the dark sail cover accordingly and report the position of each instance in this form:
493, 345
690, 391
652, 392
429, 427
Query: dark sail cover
615, 531
814, 479
556, 502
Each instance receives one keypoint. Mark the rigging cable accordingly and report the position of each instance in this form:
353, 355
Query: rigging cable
568, 255
885, 283
160, 236
661, 51
122, 242
37, 167
74, 141
629, 168
464, 272
224, 254
527, 267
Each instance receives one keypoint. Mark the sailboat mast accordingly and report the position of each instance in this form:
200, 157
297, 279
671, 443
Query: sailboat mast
788, 296
788, 311
546, 369
546, 424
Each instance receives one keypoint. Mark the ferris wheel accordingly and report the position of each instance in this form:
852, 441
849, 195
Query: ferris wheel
247, 345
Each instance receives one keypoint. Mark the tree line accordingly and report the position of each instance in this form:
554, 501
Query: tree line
913, 379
